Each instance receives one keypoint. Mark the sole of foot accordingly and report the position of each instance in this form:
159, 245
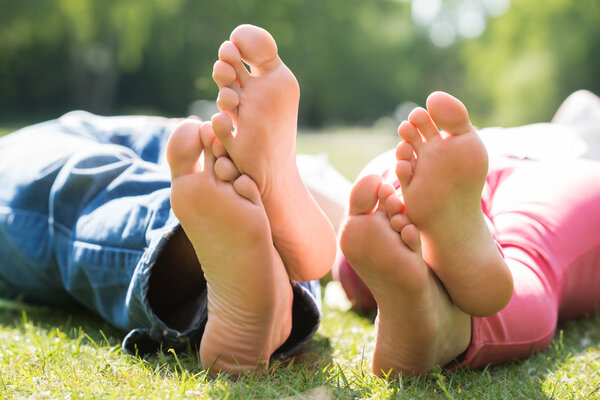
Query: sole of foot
441, 175
417, 325
249, 294
257, 127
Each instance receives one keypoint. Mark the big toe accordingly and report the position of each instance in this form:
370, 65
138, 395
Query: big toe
257, 47
449, 113
364, 195
184, 148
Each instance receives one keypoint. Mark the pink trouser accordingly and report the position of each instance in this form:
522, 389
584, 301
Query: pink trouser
545, 216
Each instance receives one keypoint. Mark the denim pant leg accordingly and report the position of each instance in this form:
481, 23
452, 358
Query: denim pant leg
84, 214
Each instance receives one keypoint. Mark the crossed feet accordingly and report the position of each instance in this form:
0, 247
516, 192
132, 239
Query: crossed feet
249, 293
253, 224
426, 254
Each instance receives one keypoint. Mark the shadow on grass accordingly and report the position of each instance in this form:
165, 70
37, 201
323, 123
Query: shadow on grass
572, 361
307, 371
71, 321
568, 369
555, 373
75, 326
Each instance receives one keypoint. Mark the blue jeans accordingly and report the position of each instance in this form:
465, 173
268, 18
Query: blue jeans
84, 215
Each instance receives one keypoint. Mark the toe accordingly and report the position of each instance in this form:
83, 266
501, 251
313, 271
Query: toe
222, 126
184, 148
399, 221
364, 195
257, 48
421, 119
208, 136
385, 190
405, 151
229, 53
393, 205
409, 133
246, 187
227, 99
223, 74
411, 237
449, 113
225, 169
219, 149
404, 170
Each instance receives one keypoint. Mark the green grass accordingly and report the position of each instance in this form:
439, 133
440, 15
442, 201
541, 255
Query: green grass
47, 353
349, 150
50, 353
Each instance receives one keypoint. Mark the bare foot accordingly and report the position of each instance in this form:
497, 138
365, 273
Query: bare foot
442, 194
417, 325
249, 294
262, 105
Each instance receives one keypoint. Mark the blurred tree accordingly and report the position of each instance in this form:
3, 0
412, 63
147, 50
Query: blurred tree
70, 52
32, 55
531, 58
355, 60
105, 40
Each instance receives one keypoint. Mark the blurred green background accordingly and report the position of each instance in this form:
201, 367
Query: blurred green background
359, 62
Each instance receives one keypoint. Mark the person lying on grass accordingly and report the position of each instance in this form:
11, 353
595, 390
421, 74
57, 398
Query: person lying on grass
222, 244
469, 264
177, 253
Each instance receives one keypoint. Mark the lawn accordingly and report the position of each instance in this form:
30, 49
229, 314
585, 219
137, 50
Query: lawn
50, 353
46, 353
349, 150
